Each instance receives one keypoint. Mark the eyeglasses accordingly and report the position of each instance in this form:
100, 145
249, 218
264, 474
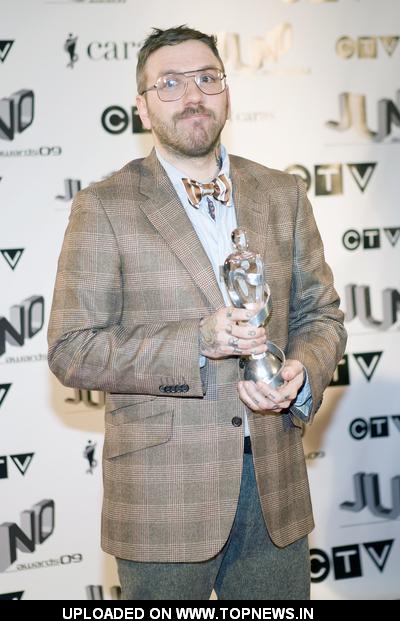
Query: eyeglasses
173, 86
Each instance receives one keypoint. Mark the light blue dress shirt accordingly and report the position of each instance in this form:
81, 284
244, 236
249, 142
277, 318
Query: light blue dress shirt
215, 236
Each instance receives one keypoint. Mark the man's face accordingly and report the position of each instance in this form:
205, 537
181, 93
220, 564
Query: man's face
190, 126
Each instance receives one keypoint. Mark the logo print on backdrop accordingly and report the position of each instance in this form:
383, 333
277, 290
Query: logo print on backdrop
116, 119
12, 256
26, 320
329, 177
370, 238
15, 595
86, 397
71, 187
347, 559
353, 113
88, 453
268, 48
367, 362
367, 494
4, 388
16, 113
5, 47
96, 592
358, 304
22, 461
37, 524
70, 47
365, 47
377, 427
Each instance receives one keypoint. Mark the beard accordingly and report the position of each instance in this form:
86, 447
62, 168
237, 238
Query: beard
198, 140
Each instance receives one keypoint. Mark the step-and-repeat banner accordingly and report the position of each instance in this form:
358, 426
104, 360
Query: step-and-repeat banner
315, 91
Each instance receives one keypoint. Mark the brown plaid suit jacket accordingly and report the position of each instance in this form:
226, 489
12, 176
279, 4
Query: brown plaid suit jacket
133, 281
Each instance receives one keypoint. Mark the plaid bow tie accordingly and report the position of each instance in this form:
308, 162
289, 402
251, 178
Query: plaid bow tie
220, 188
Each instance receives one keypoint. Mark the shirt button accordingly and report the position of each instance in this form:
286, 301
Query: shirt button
242, 363
161, 388
184, 387
236, 421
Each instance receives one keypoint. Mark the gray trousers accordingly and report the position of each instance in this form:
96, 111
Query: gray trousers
249, 567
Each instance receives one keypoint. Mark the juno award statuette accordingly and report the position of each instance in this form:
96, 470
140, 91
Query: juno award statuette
243, 274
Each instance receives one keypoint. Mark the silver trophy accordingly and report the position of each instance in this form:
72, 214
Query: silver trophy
243, 274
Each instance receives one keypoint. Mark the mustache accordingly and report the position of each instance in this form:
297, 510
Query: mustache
192, 110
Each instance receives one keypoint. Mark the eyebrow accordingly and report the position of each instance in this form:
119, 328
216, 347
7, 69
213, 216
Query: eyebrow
169, 71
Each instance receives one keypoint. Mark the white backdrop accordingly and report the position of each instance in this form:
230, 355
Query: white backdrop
315, 90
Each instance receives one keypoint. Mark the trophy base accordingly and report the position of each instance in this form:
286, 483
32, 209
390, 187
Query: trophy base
266, 367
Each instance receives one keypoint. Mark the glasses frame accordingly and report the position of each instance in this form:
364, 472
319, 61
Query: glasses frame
195, 74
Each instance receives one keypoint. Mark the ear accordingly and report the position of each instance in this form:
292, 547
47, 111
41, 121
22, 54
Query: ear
141, 104
228, 102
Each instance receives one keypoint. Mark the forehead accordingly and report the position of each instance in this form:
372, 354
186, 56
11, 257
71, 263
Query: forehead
185, 56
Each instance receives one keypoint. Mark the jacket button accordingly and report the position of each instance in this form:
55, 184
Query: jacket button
236, 421
161, 388
184, 388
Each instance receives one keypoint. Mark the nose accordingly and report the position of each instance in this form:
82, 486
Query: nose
192, 93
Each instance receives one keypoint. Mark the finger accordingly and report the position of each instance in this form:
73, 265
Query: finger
239, 314
248, 332
253, 404
281, 397
292, 369
257, 397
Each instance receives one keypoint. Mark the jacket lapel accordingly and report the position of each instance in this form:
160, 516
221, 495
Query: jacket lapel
164, 210
251, 205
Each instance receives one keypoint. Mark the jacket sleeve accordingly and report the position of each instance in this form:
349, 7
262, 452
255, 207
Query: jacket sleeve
90, 345
317, 336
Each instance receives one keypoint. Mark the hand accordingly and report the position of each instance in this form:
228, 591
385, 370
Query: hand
260, 396
222, 336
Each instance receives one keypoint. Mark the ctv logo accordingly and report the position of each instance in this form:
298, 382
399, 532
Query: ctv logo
17, 595
365, 47
353, 114
367, 493
5, 47
366, 361
37, 524
347, 560
22, 462
370, 239
4, 388
377, 427
12, 256
328, 178
116, 120
26, 320
16, 113
358, 304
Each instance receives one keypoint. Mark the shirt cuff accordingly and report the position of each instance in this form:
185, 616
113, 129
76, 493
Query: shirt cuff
304, 398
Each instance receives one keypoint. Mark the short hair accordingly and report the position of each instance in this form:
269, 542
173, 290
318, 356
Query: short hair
172, 36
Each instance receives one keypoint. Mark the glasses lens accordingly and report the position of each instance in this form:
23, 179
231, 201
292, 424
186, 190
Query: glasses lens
170, 87
210, 82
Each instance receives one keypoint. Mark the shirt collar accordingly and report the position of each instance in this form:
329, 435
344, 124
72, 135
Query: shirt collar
176, 175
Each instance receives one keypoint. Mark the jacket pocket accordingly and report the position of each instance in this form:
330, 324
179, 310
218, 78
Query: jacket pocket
136, 430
